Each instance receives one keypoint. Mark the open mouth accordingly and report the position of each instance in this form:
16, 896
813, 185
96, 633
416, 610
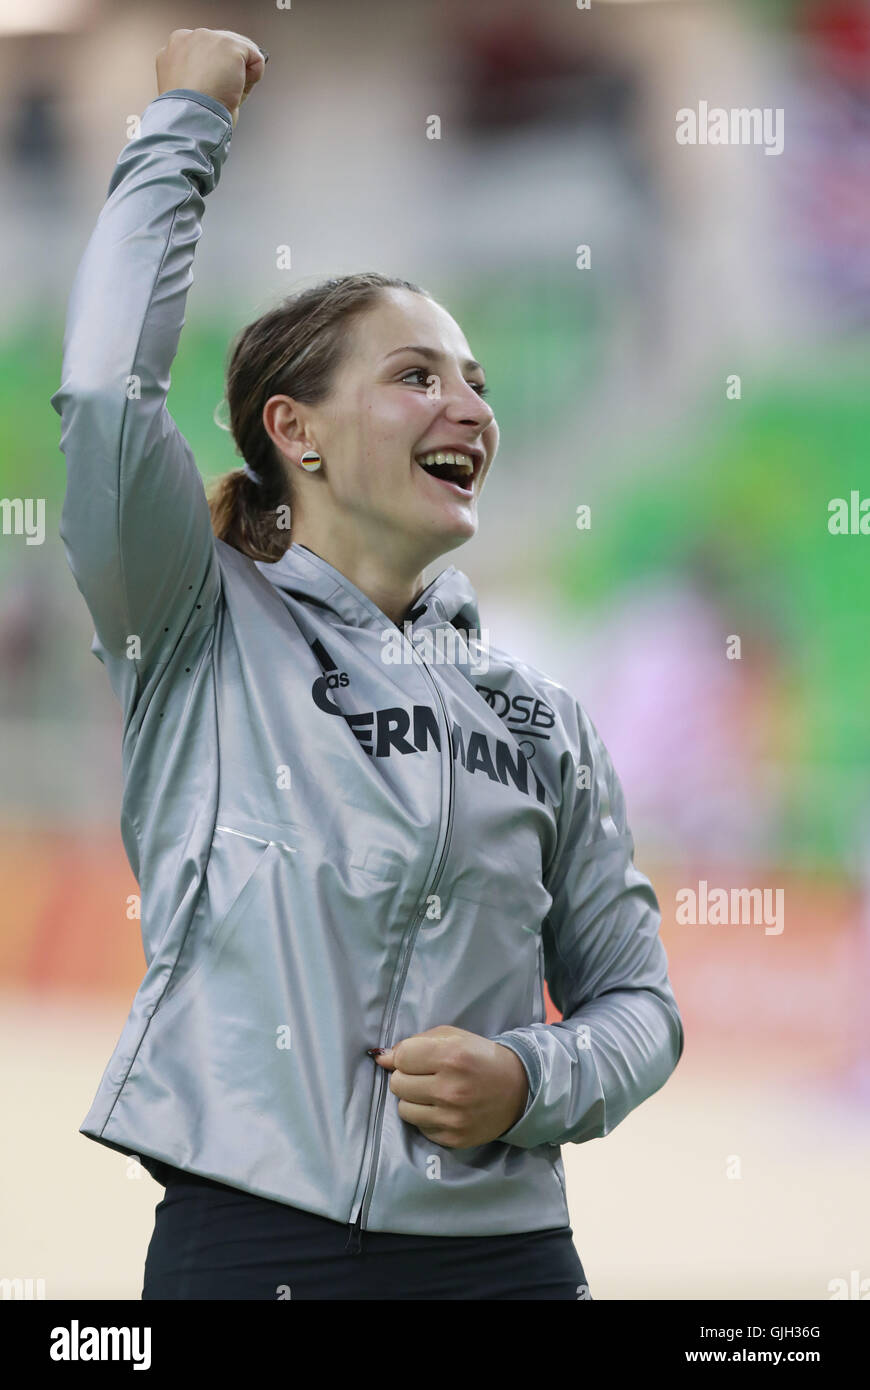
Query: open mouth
455, 470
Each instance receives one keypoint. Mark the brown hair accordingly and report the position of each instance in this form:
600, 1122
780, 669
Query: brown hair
294, 349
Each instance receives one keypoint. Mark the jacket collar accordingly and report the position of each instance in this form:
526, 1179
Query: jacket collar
449, 598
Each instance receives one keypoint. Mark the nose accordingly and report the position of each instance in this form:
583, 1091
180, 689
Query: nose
466, 406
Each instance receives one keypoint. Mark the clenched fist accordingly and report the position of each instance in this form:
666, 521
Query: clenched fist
458, 1088
217, 62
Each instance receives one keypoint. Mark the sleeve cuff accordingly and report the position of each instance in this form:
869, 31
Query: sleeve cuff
527, 1051
211, 103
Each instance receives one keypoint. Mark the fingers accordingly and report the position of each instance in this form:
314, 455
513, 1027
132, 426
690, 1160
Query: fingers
433, 1125
418, 1089
252, 76
425, 1053
255, 62
254, 55
415, 1114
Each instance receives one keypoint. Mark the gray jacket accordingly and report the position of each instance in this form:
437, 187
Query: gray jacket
344, 832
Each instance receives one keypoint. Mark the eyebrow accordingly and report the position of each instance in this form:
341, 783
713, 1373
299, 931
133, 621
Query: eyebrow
433, 355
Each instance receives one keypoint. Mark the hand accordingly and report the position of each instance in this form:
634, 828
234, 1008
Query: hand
218, 62
458, 1088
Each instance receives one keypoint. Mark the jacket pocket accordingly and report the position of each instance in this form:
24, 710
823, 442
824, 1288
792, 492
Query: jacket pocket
208, 951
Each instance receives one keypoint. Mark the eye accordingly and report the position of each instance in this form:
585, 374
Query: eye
427, 377
419, 371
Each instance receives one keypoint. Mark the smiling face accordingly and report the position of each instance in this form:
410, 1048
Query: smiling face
407, 388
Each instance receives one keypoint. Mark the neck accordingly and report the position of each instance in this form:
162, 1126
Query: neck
392, 583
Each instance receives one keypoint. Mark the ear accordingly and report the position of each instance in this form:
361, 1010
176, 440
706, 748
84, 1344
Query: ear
285, 423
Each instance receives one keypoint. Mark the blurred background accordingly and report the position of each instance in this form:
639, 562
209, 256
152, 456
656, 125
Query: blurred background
612, 377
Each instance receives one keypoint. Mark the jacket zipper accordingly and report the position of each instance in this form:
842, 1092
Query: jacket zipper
354, 1242
541, 1002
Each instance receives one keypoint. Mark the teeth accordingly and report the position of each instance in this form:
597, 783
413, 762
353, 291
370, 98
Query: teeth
440, 457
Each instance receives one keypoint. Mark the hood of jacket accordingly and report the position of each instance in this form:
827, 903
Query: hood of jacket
450, 597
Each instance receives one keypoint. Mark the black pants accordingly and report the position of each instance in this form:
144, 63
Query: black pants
212, 1241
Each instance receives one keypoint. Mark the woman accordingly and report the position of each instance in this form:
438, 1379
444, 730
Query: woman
340, 844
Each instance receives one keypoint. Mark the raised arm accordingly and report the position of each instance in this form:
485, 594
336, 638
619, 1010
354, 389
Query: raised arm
621, 1034
135, 521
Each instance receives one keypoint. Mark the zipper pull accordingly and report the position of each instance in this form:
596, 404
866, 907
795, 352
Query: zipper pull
354, 1240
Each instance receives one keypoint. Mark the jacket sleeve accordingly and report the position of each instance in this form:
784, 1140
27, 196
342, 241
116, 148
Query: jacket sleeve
621, 1034
135, 521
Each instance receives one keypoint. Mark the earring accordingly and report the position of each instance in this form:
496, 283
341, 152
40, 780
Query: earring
310, 460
